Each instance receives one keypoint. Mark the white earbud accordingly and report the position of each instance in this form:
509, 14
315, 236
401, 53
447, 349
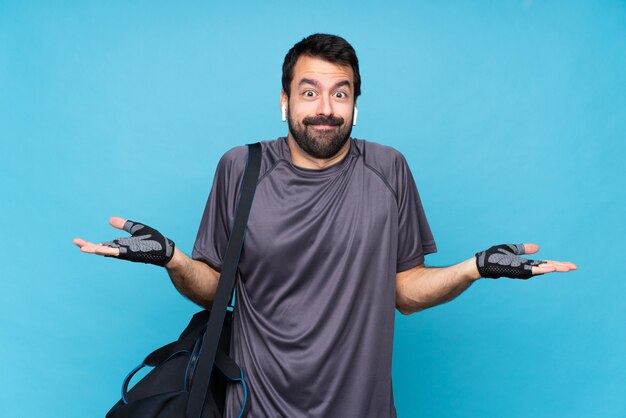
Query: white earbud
356, 112
283, 111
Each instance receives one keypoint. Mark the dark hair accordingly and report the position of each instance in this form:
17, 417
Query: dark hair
330, 48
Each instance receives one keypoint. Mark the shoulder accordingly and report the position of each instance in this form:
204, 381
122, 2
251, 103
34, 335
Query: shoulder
234, 158
379, 156
234, 161
385, 161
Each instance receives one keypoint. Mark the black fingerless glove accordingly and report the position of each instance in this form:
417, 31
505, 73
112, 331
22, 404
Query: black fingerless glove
502, 260
146, 245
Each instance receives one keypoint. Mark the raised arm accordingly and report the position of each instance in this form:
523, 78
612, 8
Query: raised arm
194, 279
423, 287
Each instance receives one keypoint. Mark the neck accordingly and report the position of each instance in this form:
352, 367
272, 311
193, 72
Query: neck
301, 159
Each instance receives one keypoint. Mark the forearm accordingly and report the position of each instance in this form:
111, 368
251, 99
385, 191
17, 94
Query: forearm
424, 287
192, 278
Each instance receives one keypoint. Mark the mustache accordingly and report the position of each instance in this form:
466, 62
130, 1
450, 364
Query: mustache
323, 120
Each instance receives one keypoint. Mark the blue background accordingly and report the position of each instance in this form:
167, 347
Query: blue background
511, 114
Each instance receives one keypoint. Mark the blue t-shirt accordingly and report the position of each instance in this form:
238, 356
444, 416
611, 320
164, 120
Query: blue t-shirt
315, 307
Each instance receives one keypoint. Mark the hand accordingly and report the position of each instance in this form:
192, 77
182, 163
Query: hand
146, 245
502, 260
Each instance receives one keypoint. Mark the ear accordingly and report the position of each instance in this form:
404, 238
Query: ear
283, 106
284, 99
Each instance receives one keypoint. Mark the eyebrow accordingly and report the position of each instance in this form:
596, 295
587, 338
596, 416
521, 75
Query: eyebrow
317, 84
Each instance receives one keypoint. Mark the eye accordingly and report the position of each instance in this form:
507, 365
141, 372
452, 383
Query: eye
341, 95
308, 93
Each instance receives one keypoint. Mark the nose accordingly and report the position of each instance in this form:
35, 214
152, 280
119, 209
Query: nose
324, 106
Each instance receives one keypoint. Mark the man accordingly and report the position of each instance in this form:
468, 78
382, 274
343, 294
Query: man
336, 240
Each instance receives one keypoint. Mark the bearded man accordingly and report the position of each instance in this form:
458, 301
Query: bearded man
335, 243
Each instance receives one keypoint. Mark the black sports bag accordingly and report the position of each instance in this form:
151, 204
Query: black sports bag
190, 375
164, 392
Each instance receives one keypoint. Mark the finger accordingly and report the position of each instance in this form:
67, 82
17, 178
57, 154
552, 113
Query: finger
106, 250
99, 249
550, 268
517, 249
85, 246
529, 248
561, 267
117, 222
543, 269
572, 266
88, 247
79, 242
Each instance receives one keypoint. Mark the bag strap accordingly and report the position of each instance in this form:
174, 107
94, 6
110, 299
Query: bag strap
200, 383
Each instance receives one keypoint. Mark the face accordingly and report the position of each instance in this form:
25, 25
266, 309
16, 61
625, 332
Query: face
320, 106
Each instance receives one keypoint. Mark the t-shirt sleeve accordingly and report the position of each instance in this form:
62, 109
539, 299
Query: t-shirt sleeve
218, 216
415, 238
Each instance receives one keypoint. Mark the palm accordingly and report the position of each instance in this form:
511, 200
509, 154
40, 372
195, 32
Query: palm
99, 249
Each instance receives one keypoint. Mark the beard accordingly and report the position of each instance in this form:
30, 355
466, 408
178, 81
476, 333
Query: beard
318, 143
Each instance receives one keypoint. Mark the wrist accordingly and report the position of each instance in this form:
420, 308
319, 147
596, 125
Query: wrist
177, 260
471, 269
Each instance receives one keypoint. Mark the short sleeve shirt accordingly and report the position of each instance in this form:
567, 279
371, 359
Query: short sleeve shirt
315, 301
